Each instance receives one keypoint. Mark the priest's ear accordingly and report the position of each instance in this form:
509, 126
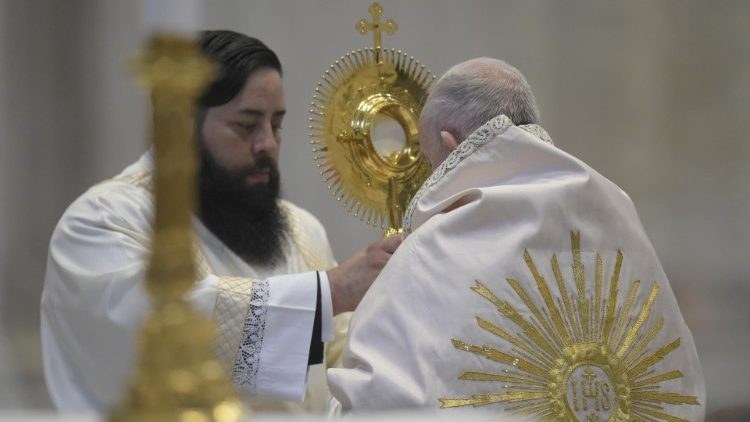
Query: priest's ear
449, 141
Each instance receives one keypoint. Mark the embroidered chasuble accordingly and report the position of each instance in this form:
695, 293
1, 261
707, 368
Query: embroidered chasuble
94, 301
525, 286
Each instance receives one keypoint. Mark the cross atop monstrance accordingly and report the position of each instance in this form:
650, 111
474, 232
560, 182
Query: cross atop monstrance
377, 27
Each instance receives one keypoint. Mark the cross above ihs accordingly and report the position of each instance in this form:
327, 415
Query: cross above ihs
377, 27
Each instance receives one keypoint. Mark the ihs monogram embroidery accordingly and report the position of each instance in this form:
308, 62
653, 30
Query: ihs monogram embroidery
589, 388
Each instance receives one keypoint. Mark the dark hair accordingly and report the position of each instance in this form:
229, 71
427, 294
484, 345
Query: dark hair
238, 56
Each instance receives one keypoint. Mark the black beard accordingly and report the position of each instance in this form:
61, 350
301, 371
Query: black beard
247, 219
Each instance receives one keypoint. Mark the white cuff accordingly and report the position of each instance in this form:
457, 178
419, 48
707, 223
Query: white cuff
326, 308
282, 367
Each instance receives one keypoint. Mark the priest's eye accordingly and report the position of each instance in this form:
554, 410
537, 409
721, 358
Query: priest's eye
248, 127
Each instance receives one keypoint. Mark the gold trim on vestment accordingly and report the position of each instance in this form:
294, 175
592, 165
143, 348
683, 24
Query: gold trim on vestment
301, 240
233, 297
202, 270
141, 179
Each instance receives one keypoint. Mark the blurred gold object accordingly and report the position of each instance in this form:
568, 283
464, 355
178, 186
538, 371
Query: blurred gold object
371, 90
177, 376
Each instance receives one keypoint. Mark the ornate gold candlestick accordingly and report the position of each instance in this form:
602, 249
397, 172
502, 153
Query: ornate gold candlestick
361, 88
177, 376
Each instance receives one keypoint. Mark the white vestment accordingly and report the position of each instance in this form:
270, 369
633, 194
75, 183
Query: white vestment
525, 285
94, 301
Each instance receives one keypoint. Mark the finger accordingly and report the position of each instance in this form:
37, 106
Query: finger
390, 244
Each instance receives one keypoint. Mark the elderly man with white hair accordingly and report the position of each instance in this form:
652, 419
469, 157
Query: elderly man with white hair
525, 284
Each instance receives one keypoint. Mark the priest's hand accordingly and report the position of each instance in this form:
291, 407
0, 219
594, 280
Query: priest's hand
350, 280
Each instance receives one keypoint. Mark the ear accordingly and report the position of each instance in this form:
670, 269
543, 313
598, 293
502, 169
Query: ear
448, 140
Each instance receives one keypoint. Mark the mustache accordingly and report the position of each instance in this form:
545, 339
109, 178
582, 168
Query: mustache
261, 164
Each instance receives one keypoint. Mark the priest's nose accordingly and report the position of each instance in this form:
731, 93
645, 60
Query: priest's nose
266, 143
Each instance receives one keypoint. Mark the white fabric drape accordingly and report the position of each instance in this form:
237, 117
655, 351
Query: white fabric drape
508, 269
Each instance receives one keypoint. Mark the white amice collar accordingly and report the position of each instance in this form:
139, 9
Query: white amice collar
490, 130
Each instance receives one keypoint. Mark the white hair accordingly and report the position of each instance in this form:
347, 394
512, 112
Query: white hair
472, 93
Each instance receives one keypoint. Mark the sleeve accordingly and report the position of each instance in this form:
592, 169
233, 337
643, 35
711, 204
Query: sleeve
94, 302
312, 241
264, 332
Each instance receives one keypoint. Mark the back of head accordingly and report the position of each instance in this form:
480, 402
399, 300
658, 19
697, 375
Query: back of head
472, 93
238, 56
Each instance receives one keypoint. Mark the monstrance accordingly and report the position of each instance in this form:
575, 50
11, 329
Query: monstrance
364, 128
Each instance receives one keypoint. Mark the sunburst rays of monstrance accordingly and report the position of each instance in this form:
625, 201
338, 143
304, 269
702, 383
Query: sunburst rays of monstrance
358, 89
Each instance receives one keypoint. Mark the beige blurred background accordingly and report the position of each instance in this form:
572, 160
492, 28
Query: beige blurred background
652, 93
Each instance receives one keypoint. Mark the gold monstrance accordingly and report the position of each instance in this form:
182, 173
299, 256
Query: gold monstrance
364, 128
178, 377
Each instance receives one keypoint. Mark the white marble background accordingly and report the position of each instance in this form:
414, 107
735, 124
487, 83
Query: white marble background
656, 91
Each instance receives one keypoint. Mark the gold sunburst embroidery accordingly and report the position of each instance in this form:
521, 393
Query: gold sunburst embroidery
580, 358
